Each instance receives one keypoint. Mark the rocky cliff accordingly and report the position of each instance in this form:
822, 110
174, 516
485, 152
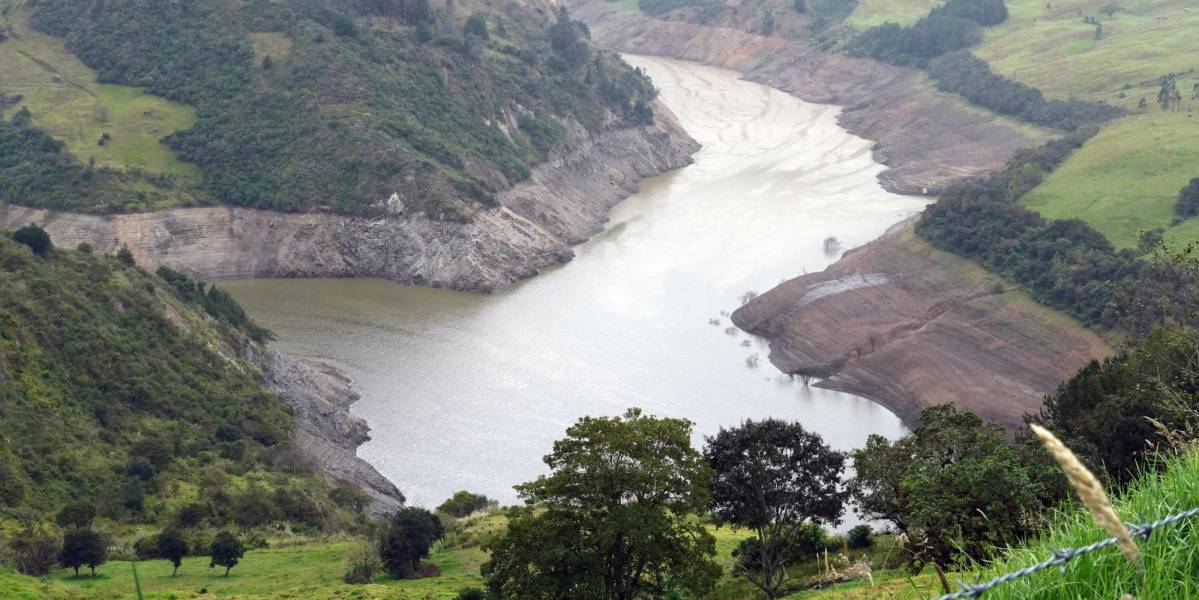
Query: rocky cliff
320, 398
926, 138
909, 326
564, 202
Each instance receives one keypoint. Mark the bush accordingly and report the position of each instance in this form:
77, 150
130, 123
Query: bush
1188, 200
861, 536
83, 548
408, 539
363, 562
35, 237
470, 594
463, 503
33, 552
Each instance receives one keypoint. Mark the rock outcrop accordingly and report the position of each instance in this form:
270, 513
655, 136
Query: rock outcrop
926, 138
565, 201
320, 398
909, 326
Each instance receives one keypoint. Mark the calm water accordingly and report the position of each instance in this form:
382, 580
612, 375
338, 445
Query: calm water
468, 391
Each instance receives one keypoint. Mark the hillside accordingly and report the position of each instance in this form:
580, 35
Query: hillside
312, 106
141, 395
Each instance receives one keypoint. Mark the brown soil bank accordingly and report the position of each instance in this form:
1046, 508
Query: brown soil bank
565, 201
910, 326
927, 138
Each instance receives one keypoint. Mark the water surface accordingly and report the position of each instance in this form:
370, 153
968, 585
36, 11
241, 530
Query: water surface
467, 391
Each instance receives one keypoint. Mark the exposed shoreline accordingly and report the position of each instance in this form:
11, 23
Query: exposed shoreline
895, 321
563, 203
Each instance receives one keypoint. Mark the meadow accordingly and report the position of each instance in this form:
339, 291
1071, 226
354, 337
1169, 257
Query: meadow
67, 101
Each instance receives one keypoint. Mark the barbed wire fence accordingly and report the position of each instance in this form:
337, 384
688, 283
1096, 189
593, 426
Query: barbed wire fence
1061, 557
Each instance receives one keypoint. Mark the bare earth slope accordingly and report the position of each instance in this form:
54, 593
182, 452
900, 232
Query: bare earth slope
564, 202
926, 138
909, 326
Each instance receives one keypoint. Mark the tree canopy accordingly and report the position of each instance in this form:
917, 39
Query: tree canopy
613, 518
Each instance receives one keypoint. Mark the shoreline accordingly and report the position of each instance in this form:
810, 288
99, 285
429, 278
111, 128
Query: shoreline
564, 202
917, 326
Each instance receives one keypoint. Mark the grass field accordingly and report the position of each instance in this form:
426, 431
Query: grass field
65, 99
1054, 50
1127, 178
875, 12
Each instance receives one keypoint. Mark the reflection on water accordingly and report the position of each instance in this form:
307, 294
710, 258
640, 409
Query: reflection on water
467, 391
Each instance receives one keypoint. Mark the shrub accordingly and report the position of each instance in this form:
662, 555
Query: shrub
408, 539
363, 562
1188, 200
861, 536
76, 515
35, 237
470, 594
33, 552
463, 503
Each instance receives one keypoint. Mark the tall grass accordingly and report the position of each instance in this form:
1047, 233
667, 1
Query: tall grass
1170, 556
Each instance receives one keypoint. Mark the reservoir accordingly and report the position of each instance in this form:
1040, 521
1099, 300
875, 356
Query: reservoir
467, 391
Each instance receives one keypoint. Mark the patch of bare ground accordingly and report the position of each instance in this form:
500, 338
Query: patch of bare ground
909, 326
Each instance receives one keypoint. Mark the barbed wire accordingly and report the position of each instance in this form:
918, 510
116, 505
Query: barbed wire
1061, 557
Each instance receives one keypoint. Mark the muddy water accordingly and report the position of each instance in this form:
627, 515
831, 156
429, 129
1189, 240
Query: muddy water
468, 392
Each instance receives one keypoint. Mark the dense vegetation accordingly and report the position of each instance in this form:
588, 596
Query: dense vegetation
128, 400
305, 105
1188, 200
960, 72
955, 25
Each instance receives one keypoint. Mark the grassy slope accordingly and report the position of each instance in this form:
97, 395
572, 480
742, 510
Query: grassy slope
305, 572
66, 100
1127, 178
876, 12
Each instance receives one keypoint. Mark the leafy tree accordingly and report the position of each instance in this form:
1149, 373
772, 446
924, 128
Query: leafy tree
463, 503
958, 487
83, 547
190, 516
76, 515
33, 551
476, 25
35, 237
172, 547
860, 536
226, 551
347, 496
125, 256
1188, 200
613, 520
408, 539
771, 476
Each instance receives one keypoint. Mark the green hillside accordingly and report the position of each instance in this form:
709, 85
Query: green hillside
301, 105
133, 395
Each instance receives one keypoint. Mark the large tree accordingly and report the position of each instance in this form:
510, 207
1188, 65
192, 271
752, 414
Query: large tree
408, 539
955, 485
83, 548
614, 520
772, 476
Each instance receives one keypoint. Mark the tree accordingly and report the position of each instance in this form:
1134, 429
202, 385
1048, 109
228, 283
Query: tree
76, 515
35, 237
190, 515
1188, 200
226, 551
172, 547
33, 551
613, 520
860, 536
954, 485
83, 547
463, 503
125, 256
771, 476
408, 539
476, 25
